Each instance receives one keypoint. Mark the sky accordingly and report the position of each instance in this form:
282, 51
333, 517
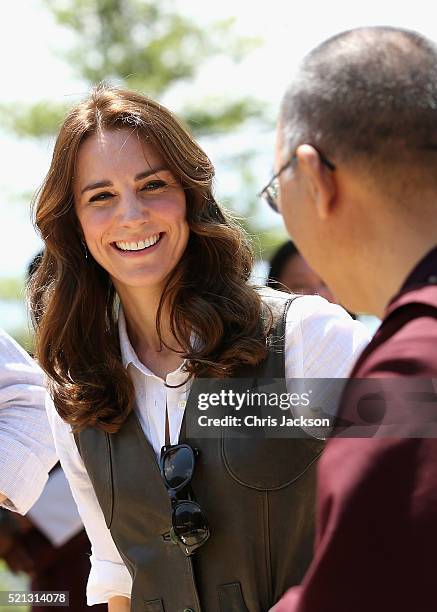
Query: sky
32, 68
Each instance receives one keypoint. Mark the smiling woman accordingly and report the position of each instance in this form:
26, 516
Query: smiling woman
134, 222
125, 170
142, 290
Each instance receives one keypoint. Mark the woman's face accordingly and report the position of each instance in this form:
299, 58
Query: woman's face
131, 209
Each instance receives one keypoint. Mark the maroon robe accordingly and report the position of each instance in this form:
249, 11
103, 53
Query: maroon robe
376, 543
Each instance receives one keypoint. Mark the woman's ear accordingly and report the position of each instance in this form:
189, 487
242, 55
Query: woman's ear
319, 180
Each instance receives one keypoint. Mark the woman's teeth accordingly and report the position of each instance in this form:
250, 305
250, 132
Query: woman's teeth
138, 246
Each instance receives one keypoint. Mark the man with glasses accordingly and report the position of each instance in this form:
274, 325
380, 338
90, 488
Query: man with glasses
356, 183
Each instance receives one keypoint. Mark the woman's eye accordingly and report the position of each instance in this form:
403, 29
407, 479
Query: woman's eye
154, 185
101, 197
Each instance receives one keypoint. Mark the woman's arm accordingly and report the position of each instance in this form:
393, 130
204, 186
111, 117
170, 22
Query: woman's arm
119, 604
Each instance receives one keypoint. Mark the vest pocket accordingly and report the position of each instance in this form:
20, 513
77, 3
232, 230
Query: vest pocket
271, 463
231, 598
154, 606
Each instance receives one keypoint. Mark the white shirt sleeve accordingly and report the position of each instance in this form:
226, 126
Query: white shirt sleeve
26, 447
109, 575
322, 344
321, 339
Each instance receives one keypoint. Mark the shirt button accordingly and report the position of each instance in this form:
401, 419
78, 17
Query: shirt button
188, 610
182, 404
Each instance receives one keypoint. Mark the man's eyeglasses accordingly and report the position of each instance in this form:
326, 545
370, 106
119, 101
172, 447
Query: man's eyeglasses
271, 190
189, 525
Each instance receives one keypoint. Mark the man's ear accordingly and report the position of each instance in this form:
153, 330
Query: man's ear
318, 178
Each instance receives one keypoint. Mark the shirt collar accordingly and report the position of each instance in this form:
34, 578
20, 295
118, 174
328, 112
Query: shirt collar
423, 271
128, 355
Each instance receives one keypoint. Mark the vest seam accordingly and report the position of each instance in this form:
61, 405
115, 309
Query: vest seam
267, 547
146, 444
110, 481
284, 327
278, 353
193, 580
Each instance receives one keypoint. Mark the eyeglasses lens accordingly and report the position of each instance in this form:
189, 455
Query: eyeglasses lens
178, 467
272, 195
189, 523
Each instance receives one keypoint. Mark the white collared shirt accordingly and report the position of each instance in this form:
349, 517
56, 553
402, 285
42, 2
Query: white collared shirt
152, 395
321, 341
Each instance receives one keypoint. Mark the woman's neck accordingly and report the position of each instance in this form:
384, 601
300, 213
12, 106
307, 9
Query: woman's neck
140, 309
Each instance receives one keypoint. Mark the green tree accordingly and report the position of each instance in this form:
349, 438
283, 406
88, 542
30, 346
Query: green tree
144, 45
13, 582
265, 240
149, 46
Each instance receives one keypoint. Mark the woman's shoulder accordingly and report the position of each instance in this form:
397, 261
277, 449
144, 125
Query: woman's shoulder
269, 295
312, 309
275, 301
321, 338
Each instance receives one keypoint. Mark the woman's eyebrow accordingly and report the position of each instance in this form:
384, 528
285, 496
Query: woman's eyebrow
138, 177
92, 186
149, 172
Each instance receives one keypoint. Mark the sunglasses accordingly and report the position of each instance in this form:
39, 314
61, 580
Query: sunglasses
271, 190
189, 524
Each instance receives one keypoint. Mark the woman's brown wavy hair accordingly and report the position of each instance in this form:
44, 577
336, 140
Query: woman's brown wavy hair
72, 297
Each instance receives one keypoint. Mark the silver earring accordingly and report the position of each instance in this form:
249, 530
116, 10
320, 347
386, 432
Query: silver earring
85, 248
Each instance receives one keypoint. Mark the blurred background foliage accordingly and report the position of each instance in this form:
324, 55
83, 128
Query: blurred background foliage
12, 582
11, 288
144, 45
149, 46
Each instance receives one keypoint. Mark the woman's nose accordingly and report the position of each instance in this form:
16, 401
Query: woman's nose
133, 210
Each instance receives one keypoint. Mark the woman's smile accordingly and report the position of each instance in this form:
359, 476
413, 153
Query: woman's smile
133, 247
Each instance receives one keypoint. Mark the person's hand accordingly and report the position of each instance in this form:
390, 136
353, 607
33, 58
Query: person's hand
288, 602
14, 527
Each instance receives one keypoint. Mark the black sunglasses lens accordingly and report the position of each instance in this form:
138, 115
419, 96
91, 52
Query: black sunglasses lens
178, 466
189, 523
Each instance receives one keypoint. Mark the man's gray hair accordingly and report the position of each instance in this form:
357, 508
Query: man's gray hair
369, 93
